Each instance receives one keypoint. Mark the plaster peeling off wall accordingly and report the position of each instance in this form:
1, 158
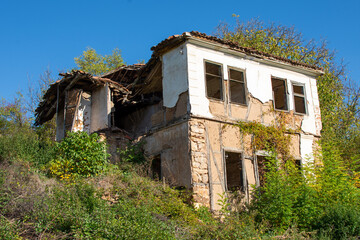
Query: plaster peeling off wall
175, 80
258, 83
82, 118
306, 148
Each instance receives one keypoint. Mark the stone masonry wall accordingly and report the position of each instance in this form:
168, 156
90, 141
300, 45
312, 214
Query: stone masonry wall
199, 163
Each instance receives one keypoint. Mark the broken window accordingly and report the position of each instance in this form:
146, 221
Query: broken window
213, 76
279, 93
237, 86
156, 167
299, 98
234, 171
261, 168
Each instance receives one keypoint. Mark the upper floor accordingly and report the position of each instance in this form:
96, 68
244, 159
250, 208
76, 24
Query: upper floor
227, 83
188, 75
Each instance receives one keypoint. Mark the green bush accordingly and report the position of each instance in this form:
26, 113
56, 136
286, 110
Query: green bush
339, 222
274, 201
24, 144
79, 154
80, 212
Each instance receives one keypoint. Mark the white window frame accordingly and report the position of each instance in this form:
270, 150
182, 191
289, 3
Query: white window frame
299, 95
245, 86
222, 99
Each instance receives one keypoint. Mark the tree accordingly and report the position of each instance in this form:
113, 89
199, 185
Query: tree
92, 62
36, 90
339, 97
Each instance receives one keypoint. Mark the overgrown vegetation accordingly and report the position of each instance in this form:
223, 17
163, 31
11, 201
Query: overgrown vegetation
339, 96
78, 155
107, 201
92, 62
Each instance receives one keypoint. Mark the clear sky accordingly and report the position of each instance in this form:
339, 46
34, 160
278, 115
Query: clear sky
41, 34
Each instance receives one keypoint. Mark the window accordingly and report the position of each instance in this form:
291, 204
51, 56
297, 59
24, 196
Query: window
234, 171
213, 76
237, 86
299, 98
279, 93
298, 164
156, 167
261, 168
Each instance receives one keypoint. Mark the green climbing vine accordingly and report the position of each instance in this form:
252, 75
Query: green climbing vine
274, 138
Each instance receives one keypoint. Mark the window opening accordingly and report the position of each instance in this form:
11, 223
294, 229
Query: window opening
213, 76
298, 164
156, 167
234, 171
237, 86
280, 93
262, 170
299, 98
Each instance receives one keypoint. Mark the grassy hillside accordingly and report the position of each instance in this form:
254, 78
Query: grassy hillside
68, 190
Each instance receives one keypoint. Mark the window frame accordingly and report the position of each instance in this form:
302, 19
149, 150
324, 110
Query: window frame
244, 186
299, 95
286, 93
222, 99
245, 85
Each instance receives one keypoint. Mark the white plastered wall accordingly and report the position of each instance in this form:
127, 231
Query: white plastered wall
175, 80
258, 77
306, 148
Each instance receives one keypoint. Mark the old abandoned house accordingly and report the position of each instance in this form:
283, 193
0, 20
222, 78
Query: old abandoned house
180, 102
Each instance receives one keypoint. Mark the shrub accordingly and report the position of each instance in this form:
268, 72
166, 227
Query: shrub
79, 154
339, 222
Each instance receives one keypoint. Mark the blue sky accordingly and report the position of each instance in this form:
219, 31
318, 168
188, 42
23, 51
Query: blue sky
36, 35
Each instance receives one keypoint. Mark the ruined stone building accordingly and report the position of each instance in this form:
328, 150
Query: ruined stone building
183, 103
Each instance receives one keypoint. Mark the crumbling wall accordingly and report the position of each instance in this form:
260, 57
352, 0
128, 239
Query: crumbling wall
210, 138
174, 69
208, 141
155, 116
116, 139
165, 133
142, 120
172, 144
258, 84
83, 114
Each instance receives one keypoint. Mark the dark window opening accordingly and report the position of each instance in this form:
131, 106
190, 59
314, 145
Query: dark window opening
262, 169
234, 173
237, 86
156, 167
299, 99
298, 164
280, 93
213, 76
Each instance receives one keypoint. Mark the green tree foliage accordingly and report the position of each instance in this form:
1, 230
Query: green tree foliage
18, 140
339, 97
92, 62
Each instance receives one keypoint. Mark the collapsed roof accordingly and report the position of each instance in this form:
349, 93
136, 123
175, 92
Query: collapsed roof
76, 79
